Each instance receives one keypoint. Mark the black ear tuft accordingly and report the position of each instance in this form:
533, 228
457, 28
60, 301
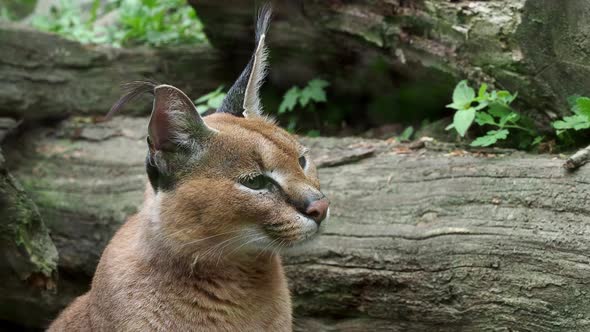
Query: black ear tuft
132, 90
242, 98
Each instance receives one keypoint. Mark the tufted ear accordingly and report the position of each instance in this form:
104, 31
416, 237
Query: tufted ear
243, 97
175, 122
177, 134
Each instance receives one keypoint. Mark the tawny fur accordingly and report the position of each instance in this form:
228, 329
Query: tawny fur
174, 265
201, 255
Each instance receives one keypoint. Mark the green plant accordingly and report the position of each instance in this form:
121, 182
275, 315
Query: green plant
149, 22
157, 23
406, 135
307, 98
314, 92
491, 109
67, 20
579, 120
211, 100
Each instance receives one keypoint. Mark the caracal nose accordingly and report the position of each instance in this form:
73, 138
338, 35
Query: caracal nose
318, 210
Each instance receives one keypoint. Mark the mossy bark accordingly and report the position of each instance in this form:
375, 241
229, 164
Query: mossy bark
419, 240
28, 264
535, 47
47, 76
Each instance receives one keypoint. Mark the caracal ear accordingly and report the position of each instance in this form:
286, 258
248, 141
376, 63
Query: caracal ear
175, 122
177, 134
243, 98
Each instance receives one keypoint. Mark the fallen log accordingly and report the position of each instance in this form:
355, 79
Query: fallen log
28, 257
419, 240
535, 47
47, 76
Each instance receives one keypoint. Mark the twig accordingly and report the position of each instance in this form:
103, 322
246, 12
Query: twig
346, 157
578, 159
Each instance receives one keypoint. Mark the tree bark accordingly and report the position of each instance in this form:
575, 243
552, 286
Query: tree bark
418, 240
535, 47
28, 259
47, 76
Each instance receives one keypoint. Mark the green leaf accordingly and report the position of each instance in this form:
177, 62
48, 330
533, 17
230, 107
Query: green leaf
209, 95
304, 97
561, 125
576, 122
499, 110
582, 125
316, 95
202, 109
215, 101
482, 91
537, 140
482, 104
313, 91
512, 117
289, 100
463, 120
463, 96
406, 135
463, 93
93, 12
458, 107
491, 138
483, 118
493, 96
449, 127
505, 97
571, 100
482, 94
317, 83
583, 107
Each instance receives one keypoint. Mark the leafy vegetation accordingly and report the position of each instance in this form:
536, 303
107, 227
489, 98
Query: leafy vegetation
173, 22
67, 20
571, 129
305, 99
489, 109
149, 22
313, 93
406, 135
210, 101
579, 120
158, 23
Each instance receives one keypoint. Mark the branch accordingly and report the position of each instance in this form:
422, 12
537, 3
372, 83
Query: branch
578, 159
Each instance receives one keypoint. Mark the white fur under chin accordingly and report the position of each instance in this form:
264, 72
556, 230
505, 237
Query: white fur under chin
310, 227
154, 208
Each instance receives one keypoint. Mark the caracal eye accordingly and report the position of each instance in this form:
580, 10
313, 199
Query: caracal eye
257, 182
302, 162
